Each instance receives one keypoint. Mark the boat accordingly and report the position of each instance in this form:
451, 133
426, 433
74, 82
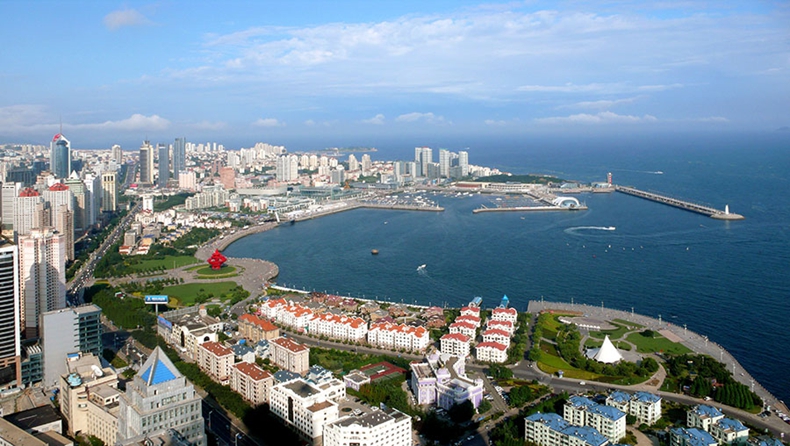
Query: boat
609, 228
421, 267
374, 251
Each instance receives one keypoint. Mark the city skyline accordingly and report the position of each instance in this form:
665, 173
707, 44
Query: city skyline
297, 74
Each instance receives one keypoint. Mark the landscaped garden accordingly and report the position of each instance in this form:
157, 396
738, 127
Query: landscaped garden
192, 293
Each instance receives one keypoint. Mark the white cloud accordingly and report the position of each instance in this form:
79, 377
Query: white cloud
125, 17
603, 104
134, 122
425, 117
309, 122
599, 118
714, 119
495, 123
376, 120
268, 122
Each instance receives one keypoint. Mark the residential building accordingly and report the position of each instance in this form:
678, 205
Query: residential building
703, 416
255, 329
187, 328
215, 360
729, 431
42, 266
375, 427
505, 326
81, 201
117, 154
287, 168
29, 212
10, 317
496, 335
442, 381
398, 337
187, 180
89, 397
549, 429
491, 352
690, 437
339, 327
608, 420
304, 408
290, 355
251, 382
455, 344
504, 314
160, 397
464, 328
64, 224
646, 407
66, 331
10, 193
227, 176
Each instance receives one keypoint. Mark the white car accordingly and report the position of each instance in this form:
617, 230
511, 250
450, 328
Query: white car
581, 383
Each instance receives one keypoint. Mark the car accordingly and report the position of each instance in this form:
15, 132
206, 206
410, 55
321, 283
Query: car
581, 383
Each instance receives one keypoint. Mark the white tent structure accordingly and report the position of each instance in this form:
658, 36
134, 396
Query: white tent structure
607, 354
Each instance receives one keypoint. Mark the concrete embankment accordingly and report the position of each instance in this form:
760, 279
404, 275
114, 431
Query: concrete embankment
529, 209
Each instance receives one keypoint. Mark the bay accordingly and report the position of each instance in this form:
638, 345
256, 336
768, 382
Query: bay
726, 280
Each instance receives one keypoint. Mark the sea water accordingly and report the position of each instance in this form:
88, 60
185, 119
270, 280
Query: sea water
727, 280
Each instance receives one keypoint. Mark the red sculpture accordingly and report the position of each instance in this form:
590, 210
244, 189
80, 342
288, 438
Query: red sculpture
217, 260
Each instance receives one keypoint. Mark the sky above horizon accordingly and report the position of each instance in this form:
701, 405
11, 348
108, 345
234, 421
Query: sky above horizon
353, 73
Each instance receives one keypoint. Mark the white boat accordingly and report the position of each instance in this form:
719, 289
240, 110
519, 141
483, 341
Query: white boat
421, 267
609, 228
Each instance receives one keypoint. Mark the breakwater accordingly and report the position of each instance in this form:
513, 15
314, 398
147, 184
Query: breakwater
528, 209
685, 205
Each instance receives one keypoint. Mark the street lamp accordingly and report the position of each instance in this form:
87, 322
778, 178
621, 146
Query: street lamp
236, 439
209, 419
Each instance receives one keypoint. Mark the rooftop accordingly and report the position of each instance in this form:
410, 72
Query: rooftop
704, 410
158, 369
253, 371
302, 388
30, 419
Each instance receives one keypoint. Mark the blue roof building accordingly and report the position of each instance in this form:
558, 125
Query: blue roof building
646, 407
690, 437
609, 421
729, 431
549, 429
703, 416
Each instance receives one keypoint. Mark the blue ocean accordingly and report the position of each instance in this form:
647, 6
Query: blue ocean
727, 280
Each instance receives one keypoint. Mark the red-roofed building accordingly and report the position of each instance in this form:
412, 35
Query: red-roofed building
491, 352
29, 192
504, 314
474, 320
215, 360
58, 187
398, 337
464, 328
496, 335
255, 329
290, 355
470, 311
251, 382
336, 326
455, 344
501, 325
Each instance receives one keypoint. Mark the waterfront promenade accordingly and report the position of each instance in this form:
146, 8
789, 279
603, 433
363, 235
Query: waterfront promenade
696, 342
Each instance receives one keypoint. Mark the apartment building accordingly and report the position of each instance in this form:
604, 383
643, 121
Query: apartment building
703, 417
491, 352
339, 327
455, 344
215, 360
251, 382
646, 407
290, 355
398, 337
255, 329
550, 429
608, 420
304, 408
372, 428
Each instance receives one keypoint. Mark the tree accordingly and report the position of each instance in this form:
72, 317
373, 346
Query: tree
461, 413
484, 406
498, 371
520, 395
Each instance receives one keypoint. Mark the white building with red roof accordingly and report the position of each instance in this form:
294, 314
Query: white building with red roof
251, 382
295, 316
491, 352
255, 329
507, 326
474, 320
337, 326
470, 311
465, 328
271, 307
455, 344
504, 314
496, 335
398, 337
215, 360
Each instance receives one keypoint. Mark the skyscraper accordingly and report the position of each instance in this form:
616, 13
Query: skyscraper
146, 163
444, 163
463, 162
158, 398
423, 156
64, 223
164, 165
109, 197
25, 211
60, 156
10, 192
287, 168
117, 154
42, 274
81, 202
179, 156
10, 349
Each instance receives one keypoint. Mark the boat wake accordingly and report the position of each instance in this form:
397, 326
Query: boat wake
589, 228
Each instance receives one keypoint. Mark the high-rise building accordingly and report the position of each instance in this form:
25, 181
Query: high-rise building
187, 180
146, 163
81, 202
463, 162
179, 156
287, 168
164, 165
353, 164
60, 156
444, 163
64, 224
42, 274
93, 187
366, 164
66, 331
10, 192
10, 349
117, 154
227, 176
109, 187
423, 156
376, 427
26, 214
158, 398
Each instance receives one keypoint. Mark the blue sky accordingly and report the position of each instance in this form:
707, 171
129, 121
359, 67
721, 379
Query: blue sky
351, 72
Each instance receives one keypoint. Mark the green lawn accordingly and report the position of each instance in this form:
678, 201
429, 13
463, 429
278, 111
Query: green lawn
186, 293
627, 323
656, 344
613, 334
167, 262
622, 345
208, 271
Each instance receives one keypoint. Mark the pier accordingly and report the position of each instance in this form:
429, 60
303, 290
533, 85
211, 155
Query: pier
528, 208
686, 205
